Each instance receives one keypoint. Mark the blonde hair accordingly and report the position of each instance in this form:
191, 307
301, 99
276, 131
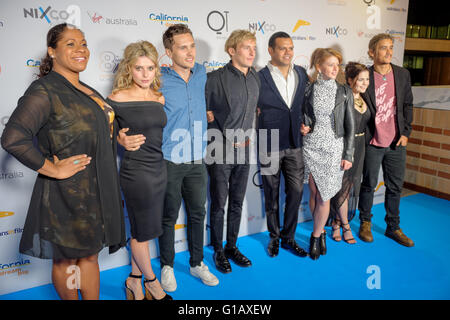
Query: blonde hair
321, 54
238, 36
124, 78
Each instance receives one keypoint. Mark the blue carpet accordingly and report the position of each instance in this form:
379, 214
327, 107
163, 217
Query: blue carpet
420, 272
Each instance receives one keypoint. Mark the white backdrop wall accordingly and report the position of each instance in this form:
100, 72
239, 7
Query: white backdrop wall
109, 25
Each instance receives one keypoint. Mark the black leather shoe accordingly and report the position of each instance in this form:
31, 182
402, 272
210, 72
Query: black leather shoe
222, 263
292, 246
314, 247
273, 247
323, 243
237, 257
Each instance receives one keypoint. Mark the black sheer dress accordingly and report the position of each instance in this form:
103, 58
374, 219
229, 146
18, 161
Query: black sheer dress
75, 217
351, 182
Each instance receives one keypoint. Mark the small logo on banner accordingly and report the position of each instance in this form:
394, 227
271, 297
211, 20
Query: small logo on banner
11, 232
299, 24
262, 27
337, 31
213, 65
218, 21
11, 175
14, 267
71, 15
167, 19
33, 63
97, 18
4, 214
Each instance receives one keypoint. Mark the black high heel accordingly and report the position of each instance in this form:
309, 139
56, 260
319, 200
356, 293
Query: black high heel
128, 291
323, 243
314, 247
149, 295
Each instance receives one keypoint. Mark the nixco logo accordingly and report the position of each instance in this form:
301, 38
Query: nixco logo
218, 21
70, 15
33, 63
213, 65
262, 27
336, 31
168, 20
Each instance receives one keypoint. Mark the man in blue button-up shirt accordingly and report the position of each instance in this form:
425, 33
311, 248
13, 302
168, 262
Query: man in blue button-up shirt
183, 86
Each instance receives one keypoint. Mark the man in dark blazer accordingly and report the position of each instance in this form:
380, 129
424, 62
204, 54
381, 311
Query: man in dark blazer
280, 115
231, 97
390, 100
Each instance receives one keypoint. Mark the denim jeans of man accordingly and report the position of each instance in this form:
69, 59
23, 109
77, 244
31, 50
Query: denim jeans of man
188, 182
393, 161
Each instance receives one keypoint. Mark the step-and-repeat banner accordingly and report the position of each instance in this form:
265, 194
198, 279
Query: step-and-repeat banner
109, 25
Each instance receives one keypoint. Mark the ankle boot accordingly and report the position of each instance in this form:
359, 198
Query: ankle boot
323, 244
314, 247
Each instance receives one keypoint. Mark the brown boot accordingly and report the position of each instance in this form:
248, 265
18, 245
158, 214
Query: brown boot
400, 237
365, 234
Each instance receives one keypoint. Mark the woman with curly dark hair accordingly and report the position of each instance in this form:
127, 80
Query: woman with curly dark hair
75, 209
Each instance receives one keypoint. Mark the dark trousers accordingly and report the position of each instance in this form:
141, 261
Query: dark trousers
226, 181
393, 161
292, 166
186, 181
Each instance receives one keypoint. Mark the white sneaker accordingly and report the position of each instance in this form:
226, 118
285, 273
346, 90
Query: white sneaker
168, 281
203, 273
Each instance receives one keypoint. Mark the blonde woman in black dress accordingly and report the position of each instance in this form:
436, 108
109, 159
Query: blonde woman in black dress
343, 204
139, 110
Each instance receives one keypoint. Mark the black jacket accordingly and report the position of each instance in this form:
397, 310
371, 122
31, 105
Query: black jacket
218, 97
403, 94
344, 121
275, 114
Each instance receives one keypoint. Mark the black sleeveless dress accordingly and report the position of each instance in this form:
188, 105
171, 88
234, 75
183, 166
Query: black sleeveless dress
351, 182
143, 175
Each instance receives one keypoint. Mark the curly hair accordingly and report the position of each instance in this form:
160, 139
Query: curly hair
124, 78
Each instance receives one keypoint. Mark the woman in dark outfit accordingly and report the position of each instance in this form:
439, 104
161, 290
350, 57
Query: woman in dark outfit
343, 204
139, 107
75, 208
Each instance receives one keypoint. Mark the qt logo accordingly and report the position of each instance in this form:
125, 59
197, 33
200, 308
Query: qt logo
217, 21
